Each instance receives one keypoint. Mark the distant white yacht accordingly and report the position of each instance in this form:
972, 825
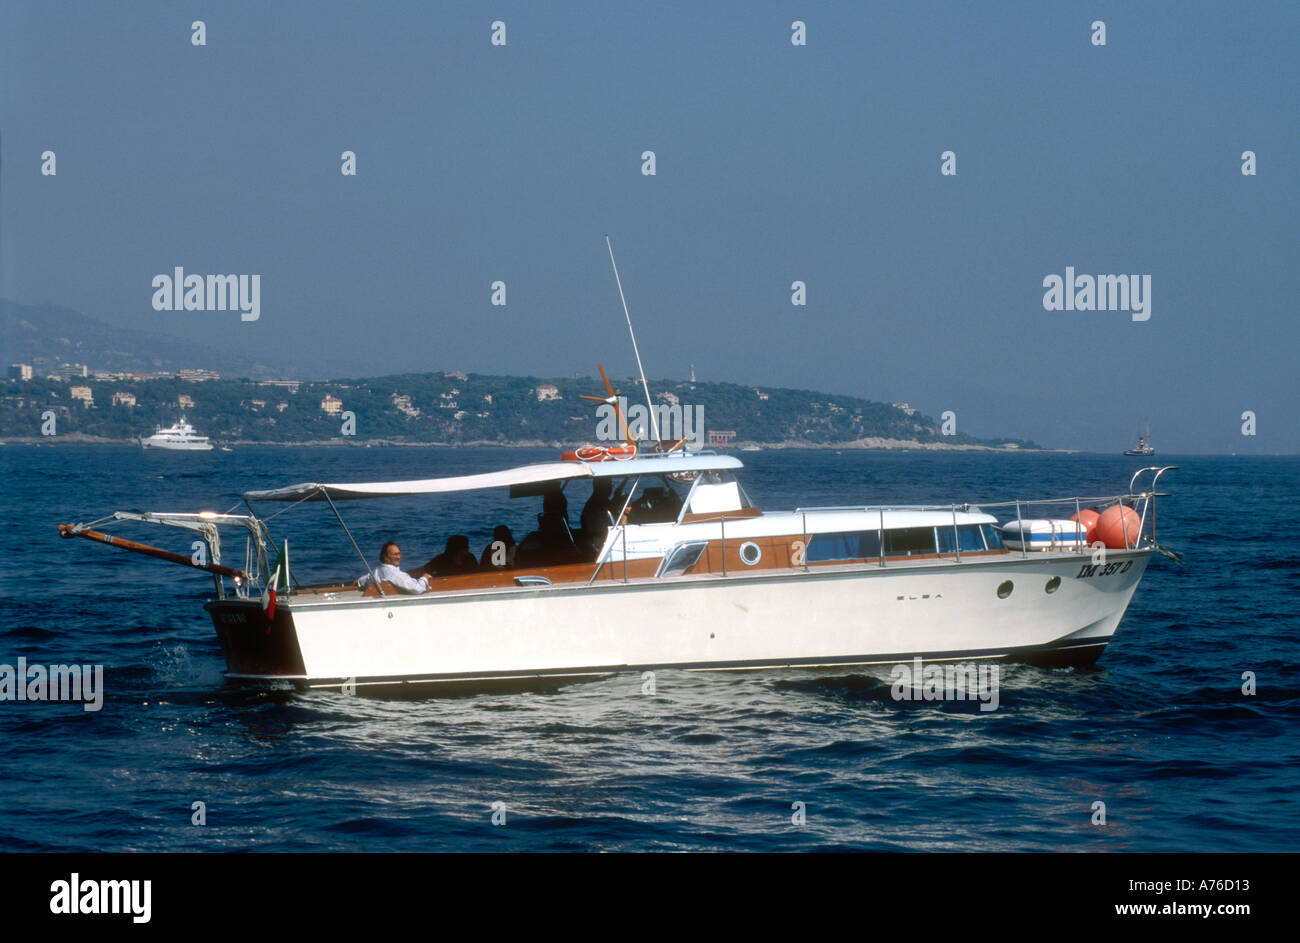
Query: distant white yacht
181, 437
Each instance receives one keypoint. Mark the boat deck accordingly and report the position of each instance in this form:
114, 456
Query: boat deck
646, 570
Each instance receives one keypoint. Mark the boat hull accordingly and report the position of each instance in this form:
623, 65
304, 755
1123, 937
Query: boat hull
829, 616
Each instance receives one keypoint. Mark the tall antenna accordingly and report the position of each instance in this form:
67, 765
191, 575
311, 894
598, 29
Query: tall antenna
654, 423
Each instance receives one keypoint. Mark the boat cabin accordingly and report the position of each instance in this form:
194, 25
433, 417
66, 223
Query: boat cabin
677, 514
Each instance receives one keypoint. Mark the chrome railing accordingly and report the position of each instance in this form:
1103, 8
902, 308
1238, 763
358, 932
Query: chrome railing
1146, 498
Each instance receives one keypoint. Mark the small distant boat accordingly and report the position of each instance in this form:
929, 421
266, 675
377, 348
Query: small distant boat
180, 437
226, 448
751, 448
1143, 446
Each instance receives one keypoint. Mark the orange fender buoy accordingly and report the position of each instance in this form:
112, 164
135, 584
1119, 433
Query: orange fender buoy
1088, 518
1119, 527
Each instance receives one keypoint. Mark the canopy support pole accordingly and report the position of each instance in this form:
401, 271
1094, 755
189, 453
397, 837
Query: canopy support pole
364, 561
609, 553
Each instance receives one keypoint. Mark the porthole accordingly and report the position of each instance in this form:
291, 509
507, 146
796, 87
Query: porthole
1053, 584
1005, 589
750, 553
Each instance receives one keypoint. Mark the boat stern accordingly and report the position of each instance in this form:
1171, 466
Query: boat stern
254, 646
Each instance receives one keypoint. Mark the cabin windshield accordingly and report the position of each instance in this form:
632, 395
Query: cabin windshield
659, 503
570, 533
715, 492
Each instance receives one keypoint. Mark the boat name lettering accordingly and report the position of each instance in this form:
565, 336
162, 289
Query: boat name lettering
1103, 569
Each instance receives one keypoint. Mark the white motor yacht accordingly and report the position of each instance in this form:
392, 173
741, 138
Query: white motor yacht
180, 437
688, 574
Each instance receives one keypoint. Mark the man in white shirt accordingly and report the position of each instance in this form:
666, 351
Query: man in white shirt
390, 571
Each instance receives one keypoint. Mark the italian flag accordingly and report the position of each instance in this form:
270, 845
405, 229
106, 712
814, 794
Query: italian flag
279, 579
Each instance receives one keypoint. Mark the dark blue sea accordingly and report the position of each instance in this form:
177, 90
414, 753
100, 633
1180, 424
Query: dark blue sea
1160, 730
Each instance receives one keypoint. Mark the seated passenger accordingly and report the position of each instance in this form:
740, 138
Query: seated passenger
656, 506
552, 542
596, 514
501, 549
390, 571
553, 522
455, 559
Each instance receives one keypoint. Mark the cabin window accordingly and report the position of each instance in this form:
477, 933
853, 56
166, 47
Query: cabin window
968, 538
823, 547
902, 542
681, 558
851, 545
909, 541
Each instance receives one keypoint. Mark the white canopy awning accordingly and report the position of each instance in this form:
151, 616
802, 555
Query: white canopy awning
524, 475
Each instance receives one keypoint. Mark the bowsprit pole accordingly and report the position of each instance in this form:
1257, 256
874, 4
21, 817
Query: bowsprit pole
72, 530
654, 423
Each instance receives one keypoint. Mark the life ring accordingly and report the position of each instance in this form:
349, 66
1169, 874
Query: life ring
600, 453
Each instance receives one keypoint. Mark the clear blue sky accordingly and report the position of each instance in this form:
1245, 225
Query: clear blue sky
775, 163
